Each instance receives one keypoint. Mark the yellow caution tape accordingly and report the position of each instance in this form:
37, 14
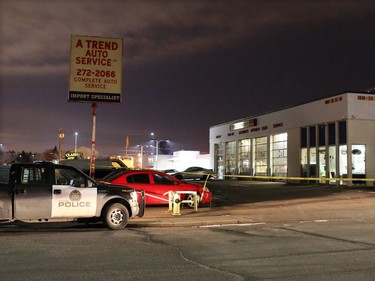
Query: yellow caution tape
300, 178
291, 178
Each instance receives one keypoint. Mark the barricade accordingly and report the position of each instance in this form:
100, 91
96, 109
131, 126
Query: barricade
174, 199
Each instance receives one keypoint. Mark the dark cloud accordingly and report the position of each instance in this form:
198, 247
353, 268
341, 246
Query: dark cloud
188, 65
37, 31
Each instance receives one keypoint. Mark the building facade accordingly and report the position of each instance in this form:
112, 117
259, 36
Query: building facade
328, 140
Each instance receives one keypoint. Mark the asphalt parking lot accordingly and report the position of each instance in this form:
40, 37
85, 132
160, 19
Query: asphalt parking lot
252, 231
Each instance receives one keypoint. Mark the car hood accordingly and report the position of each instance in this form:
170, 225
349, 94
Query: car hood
113, 187
191, 185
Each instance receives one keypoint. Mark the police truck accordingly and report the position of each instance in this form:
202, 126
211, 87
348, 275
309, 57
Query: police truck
47, 192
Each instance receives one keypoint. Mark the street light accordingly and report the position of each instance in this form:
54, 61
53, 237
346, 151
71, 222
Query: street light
141, 155
75, 141
1, 153
157, 142
157, 152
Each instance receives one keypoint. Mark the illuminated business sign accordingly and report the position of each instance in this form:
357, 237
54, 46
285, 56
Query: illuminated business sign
73, 155
95, 69
243, 124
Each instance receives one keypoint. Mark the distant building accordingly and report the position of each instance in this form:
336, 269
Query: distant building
180, 160
185, 158
327, 139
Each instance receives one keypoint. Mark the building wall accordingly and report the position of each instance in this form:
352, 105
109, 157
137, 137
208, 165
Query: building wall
363, 132
180, 160
356, 109
294, 152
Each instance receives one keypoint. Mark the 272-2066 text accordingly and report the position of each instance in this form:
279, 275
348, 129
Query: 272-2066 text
95, 73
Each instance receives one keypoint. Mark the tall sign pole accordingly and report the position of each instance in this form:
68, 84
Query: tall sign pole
93, 141
61, 137
95, 75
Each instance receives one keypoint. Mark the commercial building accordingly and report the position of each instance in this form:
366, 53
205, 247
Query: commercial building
179, 160
328, 140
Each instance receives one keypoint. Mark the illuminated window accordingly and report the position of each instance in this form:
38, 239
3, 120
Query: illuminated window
244, 167
230, 158
260, 156
279, 155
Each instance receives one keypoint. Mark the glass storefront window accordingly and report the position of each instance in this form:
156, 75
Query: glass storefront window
312, 163
303, 137
260, 156
322, 135
322, 149
219, 161
312, 136
332, 161
343, 160
342, 132
358, 156
304, 163
331, 133
230, 158
244, 167
279, 155
322, 162
358, 161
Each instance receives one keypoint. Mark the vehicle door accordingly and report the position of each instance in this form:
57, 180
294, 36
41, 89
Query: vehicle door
142, 181
32, 192
161, 185
74, 195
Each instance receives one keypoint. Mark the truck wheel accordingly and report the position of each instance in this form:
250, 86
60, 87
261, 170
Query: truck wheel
116, 216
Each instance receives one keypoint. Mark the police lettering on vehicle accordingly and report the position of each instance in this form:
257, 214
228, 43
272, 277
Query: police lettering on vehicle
72, 201
74, 204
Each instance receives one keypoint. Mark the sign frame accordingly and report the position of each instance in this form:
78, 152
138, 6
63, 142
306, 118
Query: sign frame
95, 69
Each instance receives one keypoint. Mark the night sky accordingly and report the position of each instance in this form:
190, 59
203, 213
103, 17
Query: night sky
187, 65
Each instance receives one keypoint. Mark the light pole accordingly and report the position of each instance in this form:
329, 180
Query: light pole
1, 154
157, 152
141, 155
75, 141
157, 142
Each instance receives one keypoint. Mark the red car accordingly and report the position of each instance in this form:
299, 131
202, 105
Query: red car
156, 185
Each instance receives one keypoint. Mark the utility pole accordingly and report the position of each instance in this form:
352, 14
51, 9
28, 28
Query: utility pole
126, 146
61, 137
